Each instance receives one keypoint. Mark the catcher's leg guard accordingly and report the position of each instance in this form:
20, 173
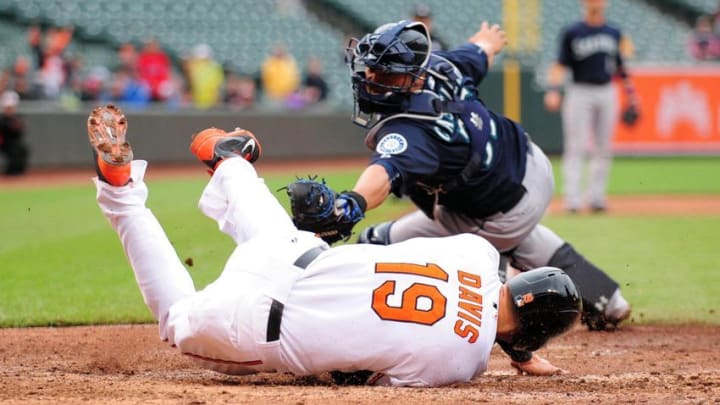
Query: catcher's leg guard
376, 234
503, 268
603, 306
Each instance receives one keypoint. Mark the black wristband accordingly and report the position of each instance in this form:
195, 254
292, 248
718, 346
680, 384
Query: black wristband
359, 199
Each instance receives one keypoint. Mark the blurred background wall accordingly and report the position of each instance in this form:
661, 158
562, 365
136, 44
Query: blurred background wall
276, 67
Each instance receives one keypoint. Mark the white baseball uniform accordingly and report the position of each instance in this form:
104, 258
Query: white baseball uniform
419, 313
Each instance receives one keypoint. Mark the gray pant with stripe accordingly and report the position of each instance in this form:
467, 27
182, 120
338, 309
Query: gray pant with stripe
589, 113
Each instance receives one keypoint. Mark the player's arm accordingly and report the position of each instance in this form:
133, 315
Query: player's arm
537, 366
491, 39
331, 215
526, 362
475, 58
557, 73
555, 80
373, 185
626, 51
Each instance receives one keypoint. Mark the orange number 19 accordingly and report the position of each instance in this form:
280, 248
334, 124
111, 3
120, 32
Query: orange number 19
408, 310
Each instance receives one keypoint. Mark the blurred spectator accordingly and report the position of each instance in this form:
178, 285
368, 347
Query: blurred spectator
279, 75
205, 77
94, 85
22, 79
171, 92
314, 88
128, 89
703, 44
315, 85
153, 66
12, 132
55, 68
422, 13
127, 56
239, 91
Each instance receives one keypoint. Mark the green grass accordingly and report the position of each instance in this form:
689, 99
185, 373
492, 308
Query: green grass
667, 266
648, 175
61, 263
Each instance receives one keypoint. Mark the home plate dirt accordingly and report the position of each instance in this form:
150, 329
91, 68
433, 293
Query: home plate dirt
129, 364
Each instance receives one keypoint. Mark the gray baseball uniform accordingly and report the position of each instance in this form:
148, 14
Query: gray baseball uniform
590, 109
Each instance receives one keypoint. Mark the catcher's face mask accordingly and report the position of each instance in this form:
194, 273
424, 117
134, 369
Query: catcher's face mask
398, 53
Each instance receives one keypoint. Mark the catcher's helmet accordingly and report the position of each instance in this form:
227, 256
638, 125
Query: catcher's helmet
401, 48
548, 304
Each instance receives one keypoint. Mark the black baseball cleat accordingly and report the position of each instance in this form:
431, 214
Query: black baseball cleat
212, 145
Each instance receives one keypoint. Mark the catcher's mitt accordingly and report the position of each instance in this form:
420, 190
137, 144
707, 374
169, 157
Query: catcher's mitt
630, 115
317, 208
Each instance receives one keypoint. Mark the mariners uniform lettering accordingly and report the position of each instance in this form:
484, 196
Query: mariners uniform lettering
598, 43
469, 306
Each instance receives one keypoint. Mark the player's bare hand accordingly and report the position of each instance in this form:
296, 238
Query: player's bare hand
537, 366
492, 39
552, 100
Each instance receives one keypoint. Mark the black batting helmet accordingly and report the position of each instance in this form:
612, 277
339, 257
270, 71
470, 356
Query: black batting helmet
548, 304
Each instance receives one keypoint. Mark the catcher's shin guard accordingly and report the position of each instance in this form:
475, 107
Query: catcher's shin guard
376, 234
600, 294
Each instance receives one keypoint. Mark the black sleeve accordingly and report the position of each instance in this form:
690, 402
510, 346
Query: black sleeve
515, 355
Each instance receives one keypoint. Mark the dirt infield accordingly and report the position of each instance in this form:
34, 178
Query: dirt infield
128, 364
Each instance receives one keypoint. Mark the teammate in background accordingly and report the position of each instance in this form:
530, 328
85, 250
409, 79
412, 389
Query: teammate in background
467, 169
422, 313
422, 13
593, 51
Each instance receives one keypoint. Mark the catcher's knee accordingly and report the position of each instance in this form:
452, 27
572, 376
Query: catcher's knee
376, 234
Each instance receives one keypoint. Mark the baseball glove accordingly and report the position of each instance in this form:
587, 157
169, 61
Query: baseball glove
630, 115
317, 208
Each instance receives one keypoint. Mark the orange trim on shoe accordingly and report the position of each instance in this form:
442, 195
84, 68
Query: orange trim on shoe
115, 175
203, 143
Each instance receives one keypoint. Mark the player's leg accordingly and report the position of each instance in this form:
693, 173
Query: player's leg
603, 304
605, 123
236, 197
576, 119
242, 204
160, 275
413, 225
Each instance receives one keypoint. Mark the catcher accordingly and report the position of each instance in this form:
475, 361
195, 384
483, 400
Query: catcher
425, 312
466, 168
